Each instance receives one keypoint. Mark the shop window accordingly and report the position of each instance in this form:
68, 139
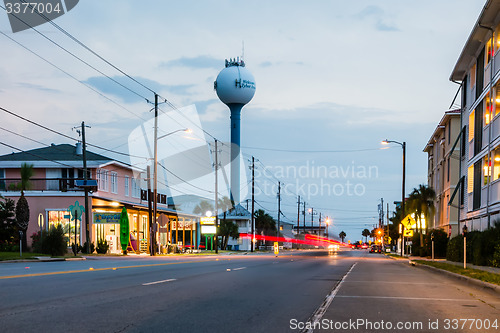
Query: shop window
114, 182
486, 170
127, 186
62, 217
470, 179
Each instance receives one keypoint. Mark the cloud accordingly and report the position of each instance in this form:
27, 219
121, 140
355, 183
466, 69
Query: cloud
199, 62
36, 87
130, 92
378, 15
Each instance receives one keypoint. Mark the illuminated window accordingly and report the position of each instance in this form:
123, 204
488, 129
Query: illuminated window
62, 217
489, 52
471, 126
486, 170
487, 110
496, 163
470, 179
497, 99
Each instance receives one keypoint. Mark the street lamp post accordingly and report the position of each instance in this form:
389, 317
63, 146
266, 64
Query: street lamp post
403, 145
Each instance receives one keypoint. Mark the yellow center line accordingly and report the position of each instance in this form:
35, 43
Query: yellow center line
91, 269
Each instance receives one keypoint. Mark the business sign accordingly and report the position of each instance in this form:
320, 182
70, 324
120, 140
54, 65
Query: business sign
207, 220
107, 218
208, 229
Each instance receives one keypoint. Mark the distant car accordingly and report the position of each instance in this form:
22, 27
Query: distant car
364, 246
375, 249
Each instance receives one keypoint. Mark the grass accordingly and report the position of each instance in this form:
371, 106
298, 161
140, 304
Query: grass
15, 255
470, 272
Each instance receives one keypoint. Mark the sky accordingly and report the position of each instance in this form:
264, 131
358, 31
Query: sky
333, 79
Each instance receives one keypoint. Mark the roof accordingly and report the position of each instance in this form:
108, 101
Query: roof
237, 213
62, 152
477, 38
447, 115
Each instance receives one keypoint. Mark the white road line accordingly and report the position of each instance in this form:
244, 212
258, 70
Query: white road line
320, 312
156, 282
238, 269
411, 298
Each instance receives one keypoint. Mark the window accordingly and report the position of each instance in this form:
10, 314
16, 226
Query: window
102, 179
62, 217
126, 185
470, 179
497, 99
448, 171
114, 182
496, 163
488, 110
472, 76
489, 51
486, 170
471, 126
449, 132
136, 189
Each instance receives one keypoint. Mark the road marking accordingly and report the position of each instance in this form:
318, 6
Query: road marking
238, 269
98, 269
156, 282
409, 298
320, 312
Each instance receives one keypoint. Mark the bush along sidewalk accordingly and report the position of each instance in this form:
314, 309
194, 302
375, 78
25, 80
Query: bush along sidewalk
483, 247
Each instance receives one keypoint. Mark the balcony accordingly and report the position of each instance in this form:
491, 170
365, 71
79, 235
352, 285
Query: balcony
40, 184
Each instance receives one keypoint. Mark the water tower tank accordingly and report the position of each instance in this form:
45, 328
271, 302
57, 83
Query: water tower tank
235, 86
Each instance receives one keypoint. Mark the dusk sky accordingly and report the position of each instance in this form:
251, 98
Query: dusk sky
333, 78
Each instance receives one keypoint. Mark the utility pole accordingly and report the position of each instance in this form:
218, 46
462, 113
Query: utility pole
319, 220
304, 213
152, 235
216, 198
279, 210
298, 216
150, 210
86, 189
253, 205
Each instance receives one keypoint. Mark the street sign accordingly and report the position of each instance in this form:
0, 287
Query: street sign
408, 233
276, 248
408, 222
387, 239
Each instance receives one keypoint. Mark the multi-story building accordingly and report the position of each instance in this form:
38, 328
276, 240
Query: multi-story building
478, 71
443, 153
54, 187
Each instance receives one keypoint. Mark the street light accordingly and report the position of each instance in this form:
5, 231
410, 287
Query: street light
403, 145
327, 222
155, 177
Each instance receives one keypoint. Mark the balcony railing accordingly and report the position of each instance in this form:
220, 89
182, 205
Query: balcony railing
40, 184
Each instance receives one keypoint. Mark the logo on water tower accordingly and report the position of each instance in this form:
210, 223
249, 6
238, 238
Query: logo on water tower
26, 14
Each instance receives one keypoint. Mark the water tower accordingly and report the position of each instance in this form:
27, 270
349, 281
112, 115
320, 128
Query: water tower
235, 86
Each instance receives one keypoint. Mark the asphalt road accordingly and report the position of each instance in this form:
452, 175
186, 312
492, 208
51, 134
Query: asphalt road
238, 293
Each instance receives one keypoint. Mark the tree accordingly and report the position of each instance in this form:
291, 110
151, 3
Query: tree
264, 223
421, 202
22, 207
342, 235
7, 220
224, 204
365, 233
203, 207
228, 229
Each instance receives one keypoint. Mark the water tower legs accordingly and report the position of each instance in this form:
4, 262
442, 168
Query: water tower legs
235, 151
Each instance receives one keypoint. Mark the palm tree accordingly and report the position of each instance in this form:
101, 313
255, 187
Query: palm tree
22, 207
365, 233
342, 235
203, 207
225, 204
421, 202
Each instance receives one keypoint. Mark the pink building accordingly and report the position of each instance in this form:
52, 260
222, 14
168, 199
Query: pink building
54, 188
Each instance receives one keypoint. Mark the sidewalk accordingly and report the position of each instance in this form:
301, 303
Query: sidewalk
494, 270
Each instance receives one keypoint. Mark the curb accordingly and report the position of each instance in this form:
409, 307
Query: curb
471, 281
41, 260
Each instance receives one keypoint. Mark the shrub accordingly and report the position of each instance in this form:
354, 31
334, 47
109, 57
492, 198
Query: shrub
455, 250
55, 243
102, 246
440, 243
83, 248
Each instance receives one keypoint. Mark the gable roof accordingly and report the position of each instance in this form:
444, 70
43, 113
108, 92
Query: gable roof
62, 152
